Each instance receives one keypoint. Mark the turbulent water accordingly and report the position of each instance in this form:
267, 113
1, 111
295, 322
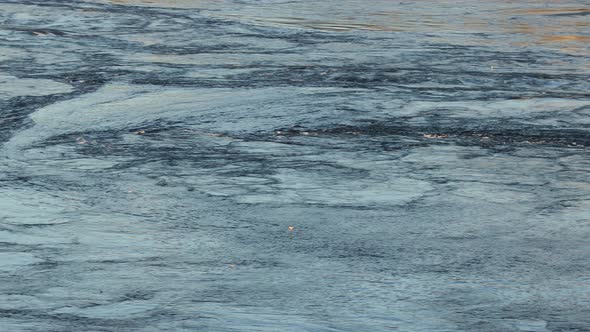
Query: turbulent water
268, 165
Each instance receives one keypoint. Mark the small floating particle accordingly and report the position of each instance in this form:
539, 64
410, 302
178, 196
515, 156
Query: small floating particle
140, 132
309, 133
39, 33
291, 228
81, 140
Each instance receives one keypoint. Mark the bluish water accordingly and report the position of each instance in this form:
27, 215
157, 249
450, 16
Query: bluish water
294, 166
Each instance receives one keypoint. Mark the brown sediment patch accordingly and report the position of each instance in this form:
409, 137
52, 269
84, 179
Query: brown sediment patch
565, 38
559, 35
551, 11
424, 16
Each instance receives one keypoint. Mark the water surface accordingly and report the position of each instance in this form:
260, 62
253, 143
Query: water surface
294, 166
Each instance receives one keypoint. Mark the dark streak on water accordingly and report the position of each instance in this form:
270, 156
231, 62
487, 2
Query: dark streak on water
153, 159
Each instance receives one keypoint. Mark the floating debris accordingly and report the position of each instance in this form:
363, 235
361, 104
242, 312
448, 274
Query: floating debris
44, 32
436, 136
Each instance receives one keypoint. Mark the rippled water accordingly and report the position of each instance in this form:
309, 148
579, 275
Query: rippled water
562, 25
294, 165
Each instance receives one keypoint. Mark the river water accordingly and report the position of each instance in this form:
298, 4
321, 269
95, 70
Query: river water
302, 165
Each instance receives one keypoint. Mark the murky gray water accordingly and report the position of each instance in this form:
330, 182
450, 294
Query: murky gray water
294, 165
